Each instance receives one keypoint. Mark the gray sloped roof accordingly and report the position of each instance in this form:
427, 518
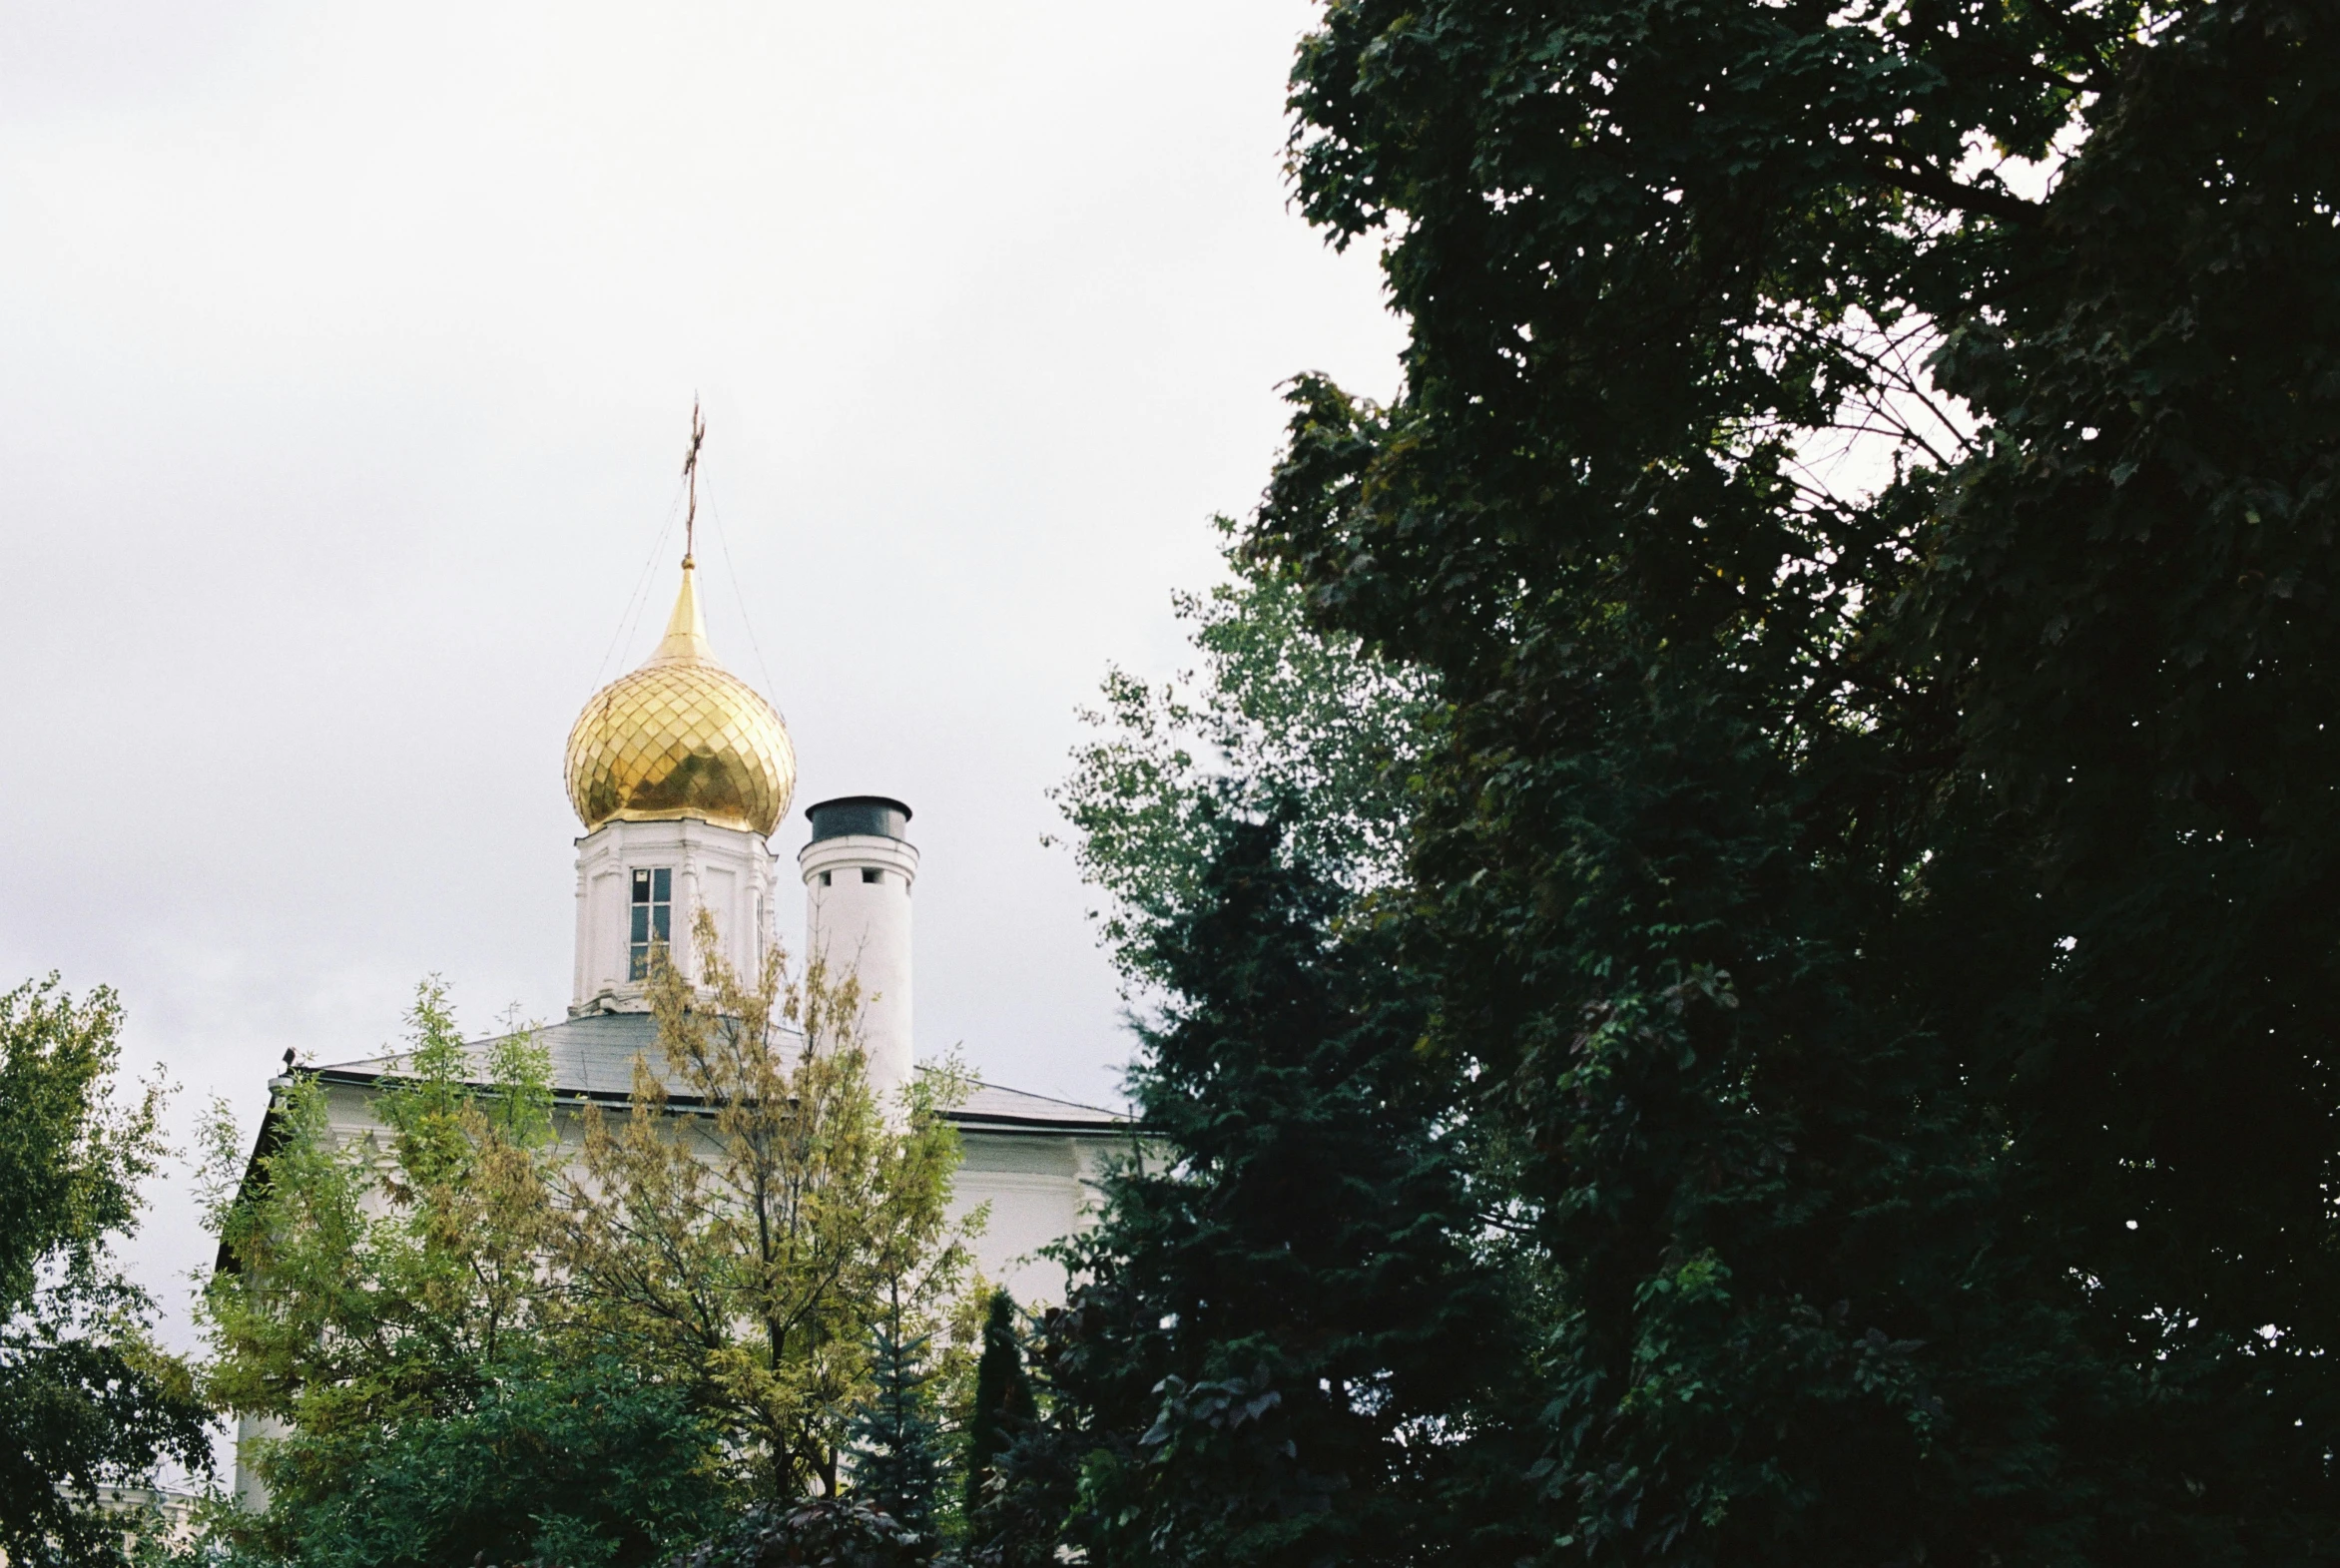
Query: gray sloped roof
593, 1059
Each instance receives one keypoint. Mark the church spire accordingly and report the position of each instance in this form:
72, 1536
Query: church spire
686, 630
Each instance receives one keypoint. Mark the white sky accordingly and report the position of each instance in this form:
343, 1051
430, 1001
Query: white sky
345, 359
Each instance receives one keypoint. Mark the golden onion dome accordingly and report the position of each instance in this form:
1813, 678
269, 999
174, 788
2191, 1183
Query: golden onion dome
681, 737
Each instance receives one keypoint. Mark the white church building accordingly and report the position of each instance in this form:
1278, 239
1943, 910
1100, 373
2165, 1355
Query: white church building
682, 772
681, 775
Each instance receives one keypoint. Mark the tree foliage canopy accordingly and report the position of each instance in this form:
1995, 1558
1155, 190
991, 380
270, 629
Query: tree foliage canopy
88, 1401
1292, 1342
383, 1307
752, 1244
493, 1324
1863, 483
898, 1462
1277, 718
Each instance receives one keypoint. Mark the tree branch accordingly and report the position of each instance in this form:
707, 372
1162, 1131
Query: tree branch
1935, 185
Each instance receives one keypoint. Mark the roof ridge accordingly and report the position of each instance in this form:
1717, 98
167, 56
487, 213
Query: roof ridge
593, 1053
1052, 1099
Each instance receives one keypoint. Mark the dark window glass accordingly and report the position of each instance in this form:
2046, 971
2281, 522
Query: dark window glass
872, 875
652, 924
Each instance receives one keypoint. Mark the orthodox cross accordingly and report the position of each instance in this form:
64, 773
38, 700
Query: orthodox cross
691, 475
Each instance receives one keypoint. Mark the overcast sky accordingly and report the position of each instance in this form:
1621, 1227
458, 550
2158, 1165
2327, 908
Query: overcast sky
347, 355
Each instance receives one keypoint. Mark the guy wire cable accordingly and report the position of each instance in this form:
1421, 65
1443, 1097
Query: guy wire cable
631, 616
723, 539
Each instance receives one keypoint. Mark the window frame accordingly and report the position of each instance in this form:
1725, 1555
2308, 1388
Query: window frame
649, 918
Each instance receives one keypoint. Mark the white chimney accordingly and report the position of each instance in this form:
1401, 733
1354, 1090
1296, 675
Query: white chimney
858, 871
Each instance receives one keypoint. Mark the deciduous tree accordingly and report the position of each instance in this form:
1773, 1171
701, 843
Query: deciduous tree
88, 1401
384, 1302
746, 1229
1277, 715
1864, 485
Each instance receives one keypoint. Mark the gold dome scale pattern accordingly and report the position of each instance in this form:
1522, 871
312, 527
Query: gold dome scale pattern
681, 737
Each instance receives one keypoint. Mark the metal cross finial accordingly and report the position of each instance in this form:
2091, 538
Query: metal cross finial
691, 473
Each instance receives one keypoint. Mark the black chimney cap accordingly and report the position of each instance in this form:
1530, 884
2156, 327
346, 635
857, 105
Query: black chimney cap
873, 816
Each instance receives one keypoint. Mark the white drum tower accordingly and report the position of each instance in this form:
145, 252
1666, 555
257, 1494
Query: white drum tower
859, 872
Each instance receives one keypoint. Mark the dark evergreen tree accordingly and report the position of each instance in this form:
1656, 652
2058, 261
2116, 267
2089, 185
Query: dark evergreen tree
1893, 919
1002, 1402
1032, 1482
1290, 1345
895, 1439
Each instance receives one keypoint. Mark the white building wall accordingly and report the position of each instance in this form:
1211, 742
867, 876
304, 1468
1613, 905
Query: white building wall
1041, 1188
1041, 1185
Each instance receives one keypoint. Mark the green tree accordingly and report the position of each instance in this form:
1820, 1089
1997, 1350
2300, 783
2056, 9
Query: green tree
744, 1233
1276, 713
569, 1462
1298, 1339
825, 1532
385, 1302
1862, 486
1002, 1402
369, 1278
897, 1462
87, 1399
